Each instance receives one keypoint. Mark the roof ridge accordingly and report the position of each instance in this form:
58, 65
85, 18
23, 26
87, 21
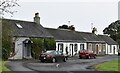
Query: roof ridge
17, 20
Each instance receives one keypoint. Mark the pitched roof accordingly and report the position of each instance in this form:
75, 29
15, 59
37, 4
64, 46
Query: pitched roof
68, 35
90, 37
108, 39
65, 35
27, 29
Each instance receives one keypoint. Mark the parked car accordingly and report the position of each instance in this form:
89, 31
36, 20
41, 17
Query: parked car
86, 54
52, 56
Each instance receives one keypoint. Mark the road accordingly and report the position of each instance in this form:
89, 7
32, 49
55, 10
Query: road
73, 65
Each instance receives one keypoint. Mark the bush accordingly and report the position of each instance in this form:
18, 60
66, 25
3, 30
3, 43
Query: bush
40, 44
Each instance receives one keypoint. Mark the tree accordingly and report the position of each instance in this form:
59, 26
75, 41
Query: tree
64, 26
72, 27
94, 30
113, 30
67, 27
6, 5
6, 39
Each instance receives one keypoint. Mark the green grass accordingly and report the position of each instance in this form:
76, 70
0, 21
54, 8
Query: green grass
4, 68
109, 66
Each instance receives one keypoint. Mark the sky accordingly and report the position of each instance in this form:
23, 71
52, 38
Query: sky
81, 13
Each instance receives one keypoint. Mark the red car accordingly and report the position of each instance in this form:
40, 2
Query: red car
86, 54
52, 56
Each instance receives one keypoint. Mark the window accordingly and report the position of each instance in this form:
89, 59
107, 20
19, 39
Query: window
18, 25
75, 47
60, 47
110, 49
81, 46
66, 49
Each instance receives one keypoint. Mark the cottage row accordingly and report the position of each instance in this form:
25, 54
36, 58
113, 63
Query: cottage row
68, 41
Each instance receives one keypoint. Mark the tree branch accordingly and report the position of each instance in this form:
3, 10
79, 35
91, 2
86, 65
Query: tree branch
6, 5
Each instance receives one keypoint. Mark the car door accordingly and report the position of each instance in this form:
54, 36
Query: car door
61, 55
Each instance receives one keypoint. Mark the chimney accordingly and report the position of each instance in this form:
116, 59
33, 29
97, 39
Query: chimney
37, 18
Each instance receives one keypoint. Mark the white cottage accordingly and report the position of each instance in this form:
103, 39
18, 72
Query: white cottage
67, 41
22, 32
71, 42
111, 46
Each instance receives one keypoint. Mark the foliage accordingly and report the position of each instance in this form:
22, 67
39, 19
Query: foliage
36, 47
108, 66
64, 26
49, 44
40, 44
6, 5
113, 30
4, 68
94, 30
67, 27
6, 39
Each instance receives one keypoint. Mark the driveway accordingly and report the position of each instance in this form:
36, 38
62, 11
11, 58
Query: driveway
17, 67
72, 64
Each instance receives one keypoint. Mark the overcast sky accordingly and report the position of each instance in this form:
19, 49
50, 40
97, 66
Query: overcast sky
81, 13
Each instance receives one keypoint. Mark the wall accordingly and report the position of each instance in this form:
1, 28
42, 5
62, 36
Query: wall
114, 49
98, 48
68, 45
18, 47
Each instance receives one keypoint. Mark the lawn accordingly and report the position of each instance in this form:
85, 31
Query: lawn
109, 66
4, 68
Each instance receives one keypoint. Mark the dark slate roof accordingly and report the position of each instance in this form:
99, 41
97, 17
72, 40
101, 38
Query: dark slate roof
68, 35
90, 37
30, 29
65, 35
108, 39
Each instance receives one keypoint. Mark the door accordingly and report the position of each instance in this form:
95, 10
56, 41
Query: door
27, 48
114, 50
97, 51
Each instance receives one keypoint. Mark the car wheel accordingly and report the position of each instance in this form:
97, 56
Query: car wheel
53, 60
94, 57
65, 59
80, 57
42, 61
88, 57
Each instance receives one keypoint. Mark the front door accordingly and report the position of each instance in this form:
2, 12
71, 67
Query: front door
97, 49
27, 49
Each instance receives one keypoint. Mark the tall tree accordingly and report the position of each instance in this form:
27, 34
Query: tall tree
7, 5
113, 30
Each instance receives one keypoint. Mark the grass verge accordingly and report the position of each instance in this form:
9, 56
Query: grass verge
4, 68
109, 66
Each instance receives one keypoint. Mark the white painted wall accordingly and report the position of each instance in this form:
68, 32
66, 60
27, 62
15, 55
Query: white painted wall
69, 48
19, 47
112, 49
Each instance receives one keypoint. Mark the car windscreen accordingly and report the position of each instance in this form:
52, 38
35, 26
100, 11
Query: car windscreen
49, 52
